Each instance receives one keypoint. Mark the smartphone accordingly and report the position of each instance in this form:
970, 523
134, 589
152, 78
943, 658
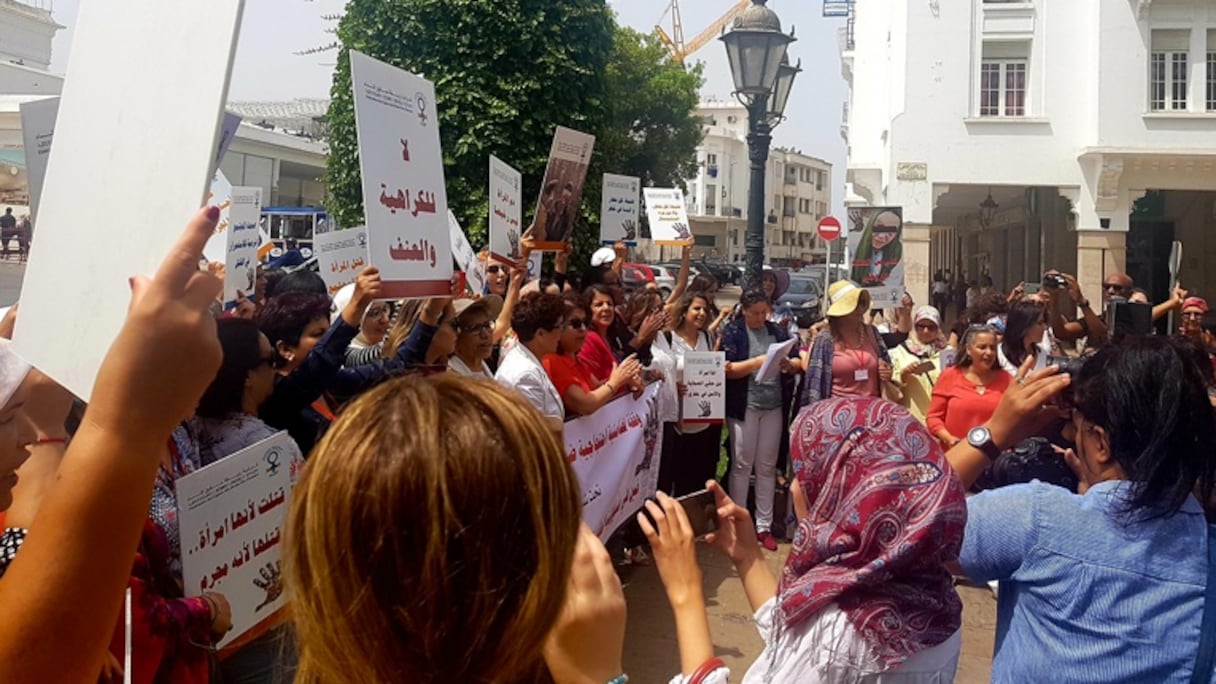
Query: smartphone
702, 511
925, 366
1032, 288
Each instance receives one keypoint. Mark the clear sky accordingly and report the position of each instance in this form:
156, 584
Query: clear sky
273, 30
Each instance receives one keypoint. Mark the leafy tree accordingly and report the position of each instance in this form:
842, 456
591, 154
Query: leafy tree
506, 73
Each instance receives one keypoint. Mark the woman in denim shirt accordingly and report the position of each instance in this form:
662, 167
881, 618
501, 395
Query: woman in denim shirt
1106, 585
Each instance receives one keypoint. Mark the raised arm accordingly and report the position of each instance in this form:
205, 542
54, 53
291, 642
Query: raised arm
677, 292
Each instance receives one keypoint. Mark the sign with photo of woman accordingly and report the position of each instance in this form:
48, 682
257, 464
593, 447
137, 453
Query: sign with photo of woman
876, 246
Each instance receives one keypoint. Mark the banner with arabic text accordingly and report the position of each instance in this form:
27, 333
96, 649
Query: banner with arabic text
615, 453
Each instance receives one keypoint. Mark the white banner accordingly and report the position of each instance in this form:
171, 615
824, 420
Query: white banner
615, 453
232, 515
619, 210
705, 387
241, 263
505, 211
561, 192
405, 203
37, 132
668, 216
134, 147
465, 257
341, 255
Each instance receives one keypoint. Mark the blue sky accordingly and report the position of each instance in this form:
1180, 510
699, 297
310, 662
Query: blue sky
267, 69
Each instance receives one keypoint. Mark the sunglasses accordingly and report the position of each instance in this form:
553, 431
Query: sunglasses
1192, 314
494, 269
576, 323
926, 326
1114, 286
479, 329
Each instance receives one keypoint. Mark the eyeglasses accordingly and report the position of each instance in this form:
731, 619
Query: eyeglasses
1192, 314
1115, 287
926, 326
576, 323
479, 329
494, 269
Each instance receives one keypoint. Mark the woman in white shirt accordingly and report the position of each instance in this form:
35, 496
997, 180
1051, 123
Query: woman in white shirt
474, 326
1026, 336
864, 596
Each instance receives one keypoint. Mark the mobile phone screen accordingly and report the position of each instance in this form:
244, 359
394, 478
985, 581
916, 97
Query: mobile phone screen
702, 511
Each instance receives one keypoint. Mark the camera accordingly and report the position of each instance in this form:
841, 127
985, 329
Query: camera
1054, 281
1066, 364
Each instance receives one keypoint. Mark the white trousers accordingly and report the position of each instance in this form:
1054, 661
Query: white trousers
755, 441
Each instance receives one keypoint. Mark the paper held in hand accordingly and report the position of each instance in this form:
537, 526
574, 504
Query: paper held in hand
341, 256
668, 216
619, 210
134, 148
241, 263
405, 204
561, 192
772, 360
704, 399
37, 132
505, 212
465, 257
231, 516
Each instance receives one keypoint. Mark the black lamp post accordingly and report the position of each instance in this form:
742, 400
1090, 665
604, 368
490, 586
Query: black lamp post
763, 77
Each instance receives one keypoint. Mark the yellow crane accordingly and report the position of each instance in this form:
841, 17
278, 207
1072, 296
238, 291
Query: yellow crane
675, 40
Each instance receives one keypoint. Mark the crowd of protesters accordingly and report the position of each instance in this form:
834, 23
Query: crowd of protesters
435, 533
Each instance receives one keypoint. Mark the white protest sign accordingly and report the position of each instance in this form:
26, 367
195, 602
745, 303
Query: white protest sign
704, 398
134, 146
37, 131
341, 255
404, 201
619, 210
241, 264
771, 368
668, 216
561, 192
232, 515
615, 454
465, 257
219, 195
227, 134
505, 213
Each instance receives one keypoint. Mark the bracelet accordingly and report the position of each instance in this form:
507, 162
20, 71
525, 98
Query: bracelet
50, 440
610, 387
622, 678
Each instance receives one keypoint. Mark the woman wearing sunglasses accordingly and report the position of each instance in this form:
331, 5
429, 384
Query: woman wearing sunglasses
967, 394
916, 363
582, 393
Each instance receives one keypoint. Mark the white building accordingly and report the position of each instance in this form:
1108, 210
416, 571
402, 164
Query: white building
1090, 123
798, 194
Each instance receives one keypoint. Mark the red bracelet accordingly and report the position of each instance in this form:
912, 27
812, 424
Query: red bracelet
51, 440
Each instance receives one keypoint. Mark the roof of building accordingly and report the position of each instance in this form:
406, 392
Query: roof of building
31, 11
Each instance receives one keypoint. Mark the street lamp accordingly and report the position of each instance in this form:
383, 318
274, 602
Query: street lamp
763, 76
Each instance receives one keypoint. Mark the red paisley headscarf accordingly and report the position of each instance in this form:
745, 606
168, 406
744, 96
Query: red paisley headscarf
885, 514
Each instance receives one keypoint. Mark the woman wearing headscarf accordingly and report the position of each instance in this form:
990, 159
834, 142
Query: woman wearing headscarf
879, 251
865, 595
917, 362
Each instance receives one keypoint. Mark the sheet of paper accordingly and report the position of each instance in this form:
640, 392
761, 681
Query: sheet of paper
772, 360
668, 216
227, 134
134, 144
505, 211
241, 264
231, 517
465, 257
37, 132
561, 192
341, 255
705, 382
619, 210
405, 204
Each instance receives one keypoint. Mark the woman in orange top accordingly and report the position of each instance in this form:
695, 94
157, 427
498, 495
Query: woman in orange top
966, 394
581, 392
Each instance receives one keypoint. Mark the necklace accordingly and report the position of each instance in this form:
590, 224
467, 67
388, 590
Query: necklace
980, 386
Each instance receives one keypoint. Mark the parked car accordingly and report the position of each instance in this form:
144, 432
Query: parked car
635, 278
804, 298
664, 278
725, 273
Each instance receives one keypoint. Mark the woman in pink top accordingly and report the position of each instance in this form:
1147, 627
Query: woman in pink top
966, 394
849, 359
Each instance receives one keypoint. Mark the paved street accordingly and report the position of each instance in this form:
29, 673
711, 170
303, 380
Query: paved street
652, 655
11, 274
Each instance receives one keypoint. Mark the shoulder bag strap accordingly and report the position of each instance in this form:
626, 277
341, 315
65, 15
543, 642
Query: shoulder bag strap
707, 668
1202, 673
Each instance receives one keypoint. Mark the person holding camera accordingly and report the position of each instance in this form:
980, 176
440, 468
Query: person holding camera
1066, 298
1117, 572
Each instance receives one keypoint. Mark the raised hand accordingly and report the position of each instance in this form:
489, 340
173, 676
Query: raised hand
587, 643
674, 548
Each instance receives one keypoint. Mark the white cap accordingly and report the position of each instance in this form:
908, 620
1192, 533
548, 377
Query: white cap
603, 255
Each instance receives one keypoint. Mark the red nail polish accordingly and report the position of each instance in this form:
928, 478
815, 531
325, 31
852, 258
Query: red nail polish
213, 213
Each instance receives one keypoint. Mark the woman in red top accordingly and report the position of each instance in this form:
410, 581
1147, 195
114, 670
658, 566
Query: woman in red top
966, 394
582, 392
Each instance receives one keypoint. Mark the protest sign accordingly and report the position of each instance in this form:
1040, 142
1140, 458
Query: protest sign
668, 216
241, 264
619, 210
37, 132
876, 253
615, 454
704, 399
227, 134
561, 192
505, 212
405, 204
465, 257
219, 195
231, 516
341, 255
133, 150
771, 368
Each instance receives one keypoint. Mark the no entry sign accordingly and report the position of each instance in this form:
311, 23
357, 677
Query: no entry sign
829, 228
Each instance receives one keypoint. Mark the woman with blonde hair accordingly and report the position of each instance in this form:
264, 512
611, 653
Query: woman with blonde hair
432, 556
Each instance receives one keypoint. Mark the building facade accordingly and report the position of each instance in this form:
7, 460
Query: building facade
1020, 136
799, 189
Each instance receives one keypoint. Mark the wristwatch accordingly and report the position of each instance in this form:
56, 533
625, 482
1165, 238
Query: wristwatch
980, 438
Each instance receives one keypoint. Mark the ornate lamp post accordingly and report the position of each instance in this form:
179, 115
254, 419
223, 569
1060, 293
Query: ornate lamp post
763, 77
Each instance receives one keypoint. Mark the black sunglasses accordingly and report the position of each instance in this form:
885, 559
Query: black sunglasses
493, 269
577, 323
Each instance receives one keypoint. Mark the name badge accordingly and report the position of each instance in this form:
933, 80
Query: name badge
861, 375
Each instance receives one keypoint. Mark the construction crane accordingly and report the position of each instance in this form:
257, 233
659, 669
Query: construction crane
675, 40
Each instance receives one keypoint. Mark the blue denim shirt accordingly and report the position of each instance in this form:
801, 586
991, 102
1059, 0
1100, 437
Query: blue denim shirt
1084, 596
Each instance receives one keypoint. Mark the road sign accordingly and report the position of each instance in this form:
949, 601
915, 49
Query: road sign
829, 228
